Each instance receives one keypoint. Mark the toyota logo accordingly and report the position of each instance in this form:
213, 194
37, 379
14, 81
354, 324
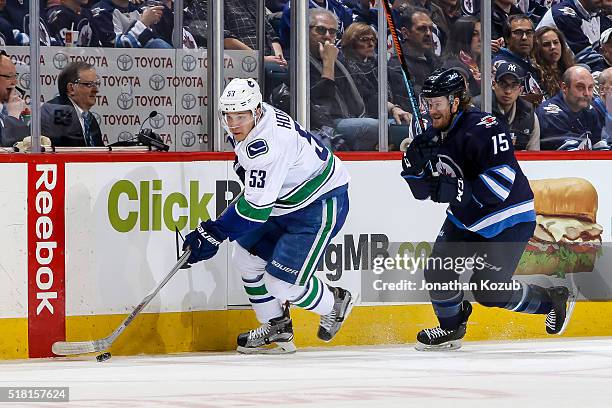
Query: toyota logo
125, 101
188, 101
157, 82
189, 63
125, 136
24, 80
249, 63
60, 60
188, 138
158, 121
125, 62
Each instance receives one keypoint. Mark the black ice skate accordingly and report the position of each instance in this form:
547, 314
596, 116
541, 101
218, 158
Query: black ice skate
562, 307
273, 337
440, 339
331, 322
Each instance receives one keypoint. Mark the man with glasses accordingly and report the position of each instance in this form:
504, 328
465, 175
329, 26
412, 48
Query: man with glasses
519, 37
568, 120
335, 99
67, 119
516, 112
12, 126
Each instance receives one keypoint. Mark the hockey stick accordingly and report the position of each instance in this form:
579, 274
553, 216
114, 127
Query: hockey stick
67, 348
420, 127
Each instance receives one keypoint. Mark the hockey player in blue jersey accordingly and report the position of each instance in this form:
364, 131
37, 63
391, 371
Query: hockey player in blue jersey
295, 201
466, 159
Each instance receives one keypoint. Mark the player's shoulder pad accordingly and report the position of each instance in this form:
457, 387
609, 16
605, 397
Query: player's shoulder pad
256, 148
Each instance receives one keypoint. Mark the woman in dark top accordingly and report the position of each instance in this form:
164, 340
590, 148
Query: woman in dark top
359, 56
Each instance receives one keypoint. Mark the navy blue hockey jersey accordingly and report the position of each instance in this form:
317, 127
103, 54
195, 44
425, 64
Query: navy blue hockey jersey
61, 19
558, 123
122, 29
478, 149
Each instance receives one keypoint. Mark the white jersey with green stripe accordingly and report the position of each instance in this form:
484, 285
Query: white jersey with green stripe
286, 167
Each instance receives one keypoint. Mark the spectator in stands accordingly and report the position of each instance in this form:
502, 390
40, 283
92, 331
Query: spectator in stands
604, 103
464, 50
335, 101
343, 14
569, 116
276, 5
605, 44
241, 25
416, 28
72, 15
17, 14
518, 113
440, 30
518, 36
502, 9
358, 55
552, 58
12, 126
123, 24
451, 11
67, 119
580, 22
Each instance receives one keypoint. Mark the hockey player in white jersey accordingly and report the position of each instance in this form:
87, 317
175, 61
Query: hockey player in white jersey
295, 200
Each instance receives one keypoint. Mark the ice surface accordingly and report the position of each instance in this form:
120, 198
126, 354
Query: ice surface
543, 373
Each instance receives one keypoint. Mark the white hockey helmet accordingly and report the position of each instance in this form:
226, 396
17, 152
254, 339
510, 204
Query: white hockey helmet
240, 95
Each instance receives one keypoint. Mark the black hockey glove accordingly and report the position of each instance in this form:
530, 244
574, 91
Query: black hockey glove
239, 169
455, 191
204, 242
419, 155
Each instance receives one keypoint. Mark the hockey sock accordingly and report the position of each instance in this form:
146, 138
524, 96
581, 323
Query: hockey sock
449, 311
531, 299
265, 305
317, 297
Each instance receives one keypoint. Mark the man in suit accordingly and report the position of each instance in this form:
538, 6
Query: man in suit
66, 119
12, 126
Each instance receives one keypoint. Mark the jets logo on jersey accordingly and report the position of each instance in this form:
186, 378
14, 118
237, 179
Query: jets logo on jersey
552, 109
447, 167
256, 148
488, 121
568, 11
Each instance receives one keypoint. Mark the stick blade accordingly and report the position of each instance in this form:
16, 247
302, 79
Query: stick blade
69, 348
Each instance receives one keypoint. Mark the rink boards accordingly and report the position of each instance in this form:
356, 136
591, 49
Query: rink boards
85, 237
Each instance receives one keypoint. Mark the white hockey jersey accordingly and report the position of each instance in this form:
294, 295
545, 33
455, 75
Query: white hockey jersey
286, 167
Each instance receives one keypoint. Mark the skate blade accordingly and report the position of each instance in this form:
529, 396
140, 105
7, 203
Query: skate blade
449, 345
571, 303
286, 347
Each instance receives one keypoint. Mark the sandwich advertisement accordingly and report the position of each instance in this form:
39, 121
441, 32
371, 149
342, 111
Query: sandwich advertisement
567, 237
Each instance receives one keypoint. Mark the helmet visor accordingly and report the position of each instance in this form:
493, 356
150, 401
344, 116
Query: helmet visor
434, 104
233, 120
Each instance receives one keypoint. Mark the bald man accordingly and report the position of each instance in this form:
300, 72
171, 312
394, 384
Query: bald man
570, 115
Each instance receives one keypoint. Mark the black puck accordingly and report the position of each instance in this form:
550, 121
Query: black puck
103, 357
